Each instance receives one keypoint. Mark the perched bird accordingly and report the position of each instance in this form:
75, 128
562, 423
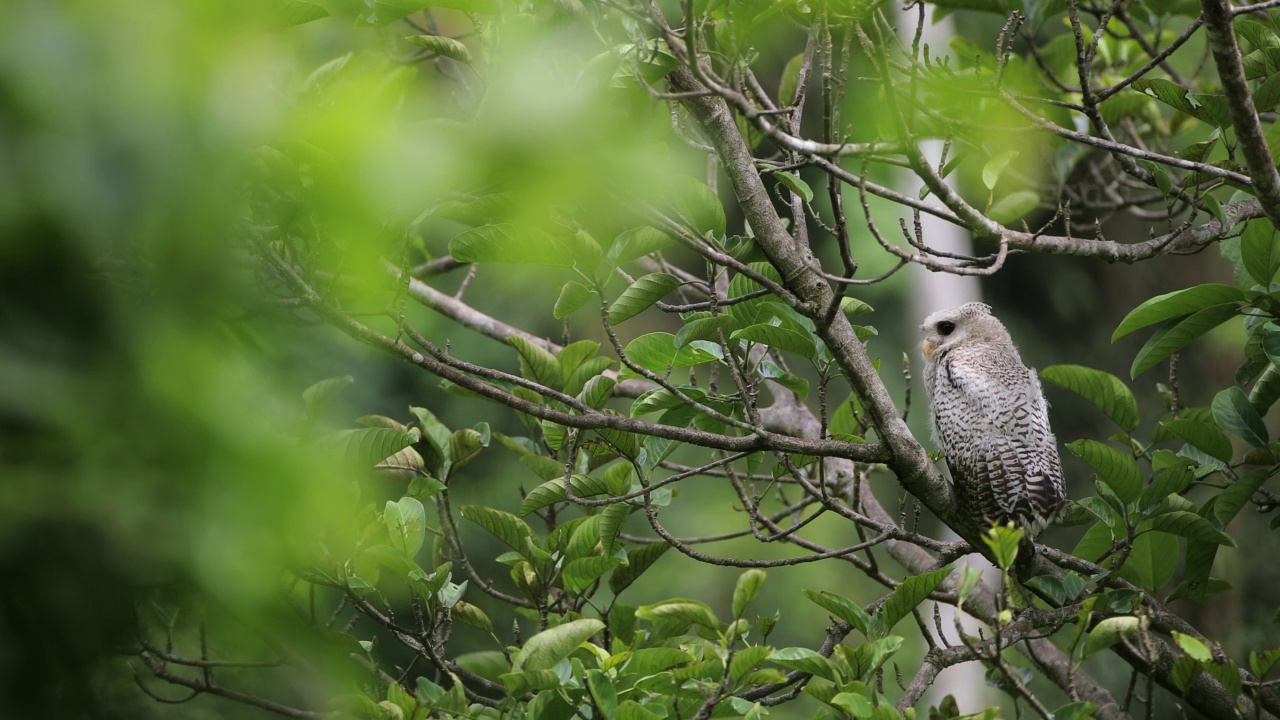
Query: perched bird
991, 420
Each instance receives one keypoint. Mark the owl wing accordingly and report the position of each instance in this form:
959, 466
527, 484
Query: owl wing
993, 424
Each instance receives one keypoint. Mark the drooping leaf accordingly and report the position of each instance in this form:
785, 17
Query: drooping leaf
780, 338
317, 398
846, 610
578, 575
642, 293
508, 243
1205, 436
746, 590
1176, 304
537, 364
1117, 469
795, 185
367, 447
913, 591
1153, 559
639, 560
1190, 525
1234, 413
994, 168
444, 46
1260, 244
1207, 108
1237, 495
1108, 632
1104, 390
1176, 334
806, 660
553, 491
506, 527
544, 650
636, 243
1013, 206
573, 295
706, 329
691, 611
657, 352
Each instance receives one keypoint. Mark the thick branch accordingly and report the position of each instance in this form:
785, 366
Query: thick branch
1244, 116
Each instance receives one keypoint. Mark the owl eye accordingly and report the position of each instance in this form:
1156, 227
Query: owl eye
946, 327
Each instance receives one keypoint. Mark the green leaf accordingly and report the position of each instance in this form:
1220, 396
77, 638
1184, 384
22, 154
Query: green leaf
521, 683
1259, 245
994, 168
611, 519
1108, 632
1176, 304
746, 659
1262, 662
1176, 334
1211, 109
705, 329
296, 12
578, 575
537, 364
1205, 436
781, 338
771, 371
657, 352
1117, 469
553, 491
514, 244
636, 243
806, 660
468, 614
645, 291
597, 391
367, 447
847, 611
406, 521
697, 204
639, 560
1075, 711
544, 650
1003, 541
1013, 206
1193, 646
1153, 559
1237, 495
582, 375
795, 185
1170, 481
650, 661
317, 398
506, 527
853, 307
746, 590
691, 611
602, 693
1190, 525
573, 295
1234, 413
1259, 35
1106, 391
440, 45
790, 79
1095, 541
913, 591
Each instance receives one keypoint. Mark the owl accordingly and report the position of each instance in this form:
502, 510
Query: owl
991, 420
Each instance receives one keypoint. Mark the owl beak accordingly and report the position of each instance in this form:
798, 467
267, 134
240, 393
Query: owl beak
927, 348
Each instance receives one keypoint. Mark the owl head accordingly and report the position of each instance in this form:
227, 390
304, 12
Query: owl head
969, 323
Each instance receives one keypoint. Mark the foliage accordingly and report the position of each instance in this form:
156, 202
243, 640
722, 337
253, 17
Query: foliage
559, 152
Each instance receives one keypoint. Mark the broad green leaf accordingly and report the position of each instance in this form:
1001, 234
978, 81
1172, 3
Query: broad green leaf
1116, 468
746, 659
1259, 35
544, 650
1234, 413
440, 45
913, 591
790, 79
1205, 436
691, 611
367, 447
406, 522
1108, 632
1075, 711
637, 243
994, 168
856, 704
589, 370
1192, 526
611, 520
468, 614
507, 243
1260, 244
578, 575
806, 660
1170, 481
574, 355
645, 291
597, 391
1104, 390
537, 364
317, 398
1153, 559
853, 307
1262, 662
746, 590
847, 611
1013, 206
573, 295
1094, 543
506, 527
602, 693
1176, 304
779, 338
746, 312
1211, 109
1193, 646
657, 352
553, 491
1237, 495
1176, 334
795, 185
705, 329
771, 371
697, 205
296, 12
650, 661
639, 560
